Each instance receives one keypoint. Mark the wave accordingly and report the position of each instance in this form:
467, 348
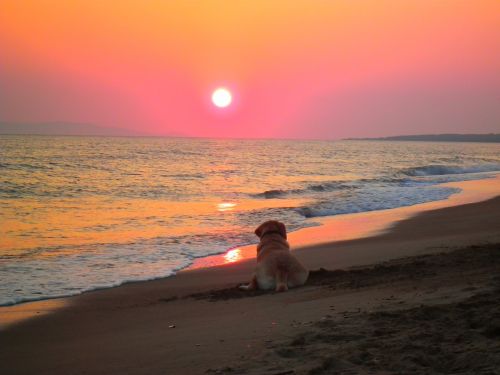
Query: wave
330, 186
377, 199
185, 176
24, 166
271, 194
71, 292
438, 170
325, 186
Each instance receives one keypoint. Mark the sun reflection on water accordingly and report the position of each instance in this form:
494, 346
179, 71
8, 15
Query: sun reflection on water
233, 255
225, 206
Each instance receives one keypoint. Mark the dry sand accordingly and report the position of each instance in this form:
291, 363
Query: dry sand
429, 314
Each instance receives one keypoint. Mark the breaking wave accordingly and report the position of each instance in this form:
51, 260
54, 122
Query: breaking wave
438, 170
309, 188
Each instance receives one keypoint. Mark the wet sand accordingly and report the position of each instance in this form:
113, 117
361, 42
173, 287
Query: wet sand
361, 312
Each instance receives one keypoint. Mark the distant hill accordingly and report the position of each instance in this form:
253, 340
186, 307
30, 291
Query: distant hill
63, 128
437, 138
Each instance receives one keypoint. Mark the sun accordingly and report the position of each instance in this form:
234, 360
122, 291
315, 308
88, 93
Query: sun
222, 97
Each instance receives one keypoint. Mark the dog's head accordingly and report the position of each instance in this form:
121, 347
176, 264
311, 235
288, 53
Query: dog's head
271, 226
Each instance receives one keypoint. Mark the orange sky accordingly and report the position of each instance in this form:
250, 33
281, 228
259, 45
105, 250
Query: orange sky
297, 69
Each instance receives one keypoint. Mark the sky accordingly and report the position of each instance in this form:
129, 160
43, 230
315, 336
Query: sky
296, 69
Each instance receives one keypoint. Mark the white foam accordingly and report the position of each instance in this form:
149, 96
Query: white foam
437, 170
379, 199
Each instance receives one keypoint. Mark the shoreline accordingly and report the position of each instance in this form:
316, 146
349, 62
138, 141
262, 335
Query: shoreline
339, 228
353, 226
198, 322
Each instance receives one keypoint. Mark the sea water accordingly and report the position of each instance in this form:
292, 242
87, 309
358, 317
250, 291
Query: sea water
82, 213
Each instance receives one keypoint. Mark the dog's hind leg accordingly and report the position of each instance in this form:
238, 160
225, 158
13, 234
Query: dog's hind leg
281, 281
252, 286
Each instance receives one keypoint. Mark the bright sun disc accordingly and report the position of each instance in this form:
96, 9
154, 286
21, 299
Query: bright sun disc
221, 97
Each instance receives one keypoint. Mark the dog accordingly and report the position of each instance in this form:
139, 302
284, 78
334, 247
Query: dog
276, 267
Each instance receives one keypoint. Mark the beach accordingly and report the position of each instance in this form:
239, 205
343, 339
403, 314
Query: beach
418, 296
158, 159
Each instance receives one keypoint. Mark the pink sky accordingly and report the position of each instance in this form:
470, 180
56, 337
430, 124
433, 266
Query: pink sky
297, 69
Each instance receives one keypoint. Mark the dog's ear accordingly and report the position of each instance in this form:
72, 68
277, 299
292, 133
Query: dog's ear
282, 229
258, 231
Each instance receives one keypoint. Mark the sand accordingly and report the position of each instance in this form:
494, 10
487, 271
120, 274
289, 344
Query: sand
420, 298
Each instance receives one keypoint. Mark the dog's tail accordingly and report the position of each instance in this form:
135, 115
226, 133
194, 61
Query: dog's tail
281, 280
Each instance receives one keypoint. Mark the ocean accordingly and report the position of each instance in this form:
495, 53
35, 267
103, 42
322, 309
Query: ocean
83, 213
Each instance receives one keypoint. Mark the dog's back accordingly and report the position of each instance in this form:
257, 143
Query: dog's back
276, 267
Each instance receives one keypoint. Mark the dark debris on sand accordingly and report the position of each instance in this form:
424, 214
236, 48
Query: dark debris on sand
388, 272
409, 268
226, 294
